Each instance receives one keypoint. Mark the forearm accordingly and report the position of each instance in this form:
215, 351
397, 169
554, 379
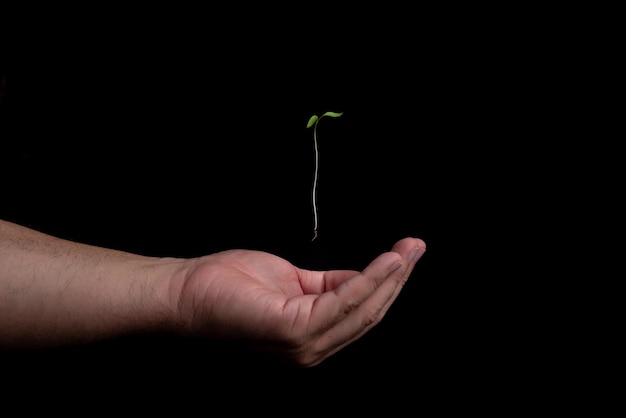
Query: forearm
55, 291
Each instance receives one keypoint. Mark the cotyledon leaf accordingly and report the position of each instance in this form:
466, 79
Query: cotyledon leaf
313, 119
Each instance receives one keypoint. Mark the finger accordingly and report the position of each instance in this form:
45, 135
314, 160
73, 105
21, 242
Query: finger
318, 282
361, 302
411, 250
323, 281
354, 291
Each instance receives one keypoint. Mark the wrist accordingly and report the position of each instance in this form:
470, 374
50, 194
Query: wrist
159, 296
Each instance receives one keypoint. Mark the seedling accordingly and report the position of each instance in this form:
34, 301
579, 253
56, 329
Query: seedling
313, 122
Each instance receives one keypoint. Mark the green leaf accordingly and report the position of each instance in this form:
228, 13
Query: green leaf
315, 118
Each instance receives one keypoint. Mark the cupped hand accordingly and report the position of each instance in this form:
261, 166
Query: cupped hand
303, 316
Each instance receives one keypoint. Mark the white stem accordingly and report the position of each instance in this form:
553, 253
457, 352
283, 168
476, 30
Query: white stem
315, 181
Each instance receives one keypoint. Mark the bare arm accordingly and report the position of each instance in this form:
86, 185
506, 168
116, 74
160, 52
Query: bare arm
58, 292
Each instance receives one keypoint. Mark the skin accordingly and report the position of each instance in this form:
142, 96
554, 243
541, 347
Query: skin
55, 292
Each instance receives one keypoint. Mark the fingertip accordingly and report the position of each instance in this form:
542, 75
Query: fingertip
416, 253
387, 263
395, 266
405, 245
420, 243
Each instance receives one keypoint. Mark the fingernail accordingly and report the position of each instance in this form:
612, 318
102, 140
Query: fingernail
395, 266
415, 255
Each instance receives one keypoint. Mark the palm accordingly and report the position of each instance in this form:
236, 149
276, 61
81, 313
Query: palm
252, 293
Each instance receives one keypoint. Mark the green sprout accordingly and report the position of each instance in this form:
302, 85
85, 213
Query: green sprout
313, 122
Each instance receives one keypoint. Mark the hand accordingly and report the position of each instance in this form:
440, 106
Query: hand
303, 316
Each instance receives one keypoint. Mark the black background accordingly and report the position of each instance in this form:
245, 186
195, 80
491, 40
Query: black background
180, 137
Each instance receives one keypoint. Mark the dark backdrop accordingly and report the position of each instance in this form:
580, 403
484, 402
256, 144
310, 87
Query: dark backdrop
173, 142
